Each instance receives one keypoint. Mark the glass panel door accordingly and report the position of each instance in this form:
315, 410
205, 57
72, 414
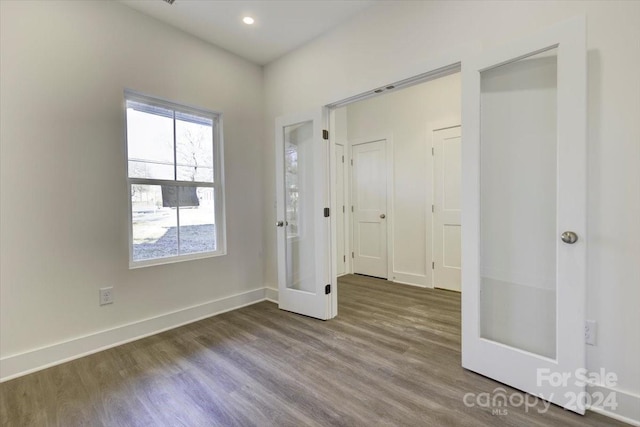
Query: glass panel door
303, 230
518, 162
299, 204
523, 206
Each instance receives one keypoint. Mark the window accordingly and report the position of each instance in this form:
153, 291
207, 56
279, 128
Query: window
175, 178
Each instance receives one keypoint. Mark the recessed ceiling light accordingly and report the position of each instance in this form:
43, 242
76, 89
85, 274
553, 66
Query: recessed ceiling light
248, 20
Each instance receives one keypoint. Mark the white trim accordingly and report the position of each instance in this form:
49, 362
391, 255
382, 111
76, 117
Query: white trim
217, 185
333, 209
20, 364
335, 205
399, 85
271, 294
175, 258
411, 279
441, 61
628, 410
332, 309
391, 202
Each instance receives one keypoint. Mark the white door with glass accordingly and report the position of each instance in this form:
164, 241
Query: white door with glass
447, 145
524, 213
303, 229
369, 195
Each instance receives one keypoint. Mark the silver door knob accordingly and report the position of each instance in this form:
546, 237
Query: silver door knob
383, 216
279, 223
569, 237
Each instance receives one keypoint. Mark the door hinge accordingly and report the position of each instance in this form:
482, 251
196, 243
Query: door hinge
325, 134
433, 208
433, 265
326, 212
351, 162
342, 159
344, 258
433, 151
352, 255
351, 208
327, 289
342, 208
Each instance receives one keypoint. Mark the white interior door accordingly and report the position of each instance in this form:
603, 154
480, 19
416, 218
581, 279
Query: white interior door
446, 208
303, 230
523, 187
369, 200
341, 251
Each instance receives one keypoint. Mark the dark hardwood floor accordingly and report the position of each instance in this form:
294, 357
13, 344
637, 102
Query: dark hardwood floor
391, 358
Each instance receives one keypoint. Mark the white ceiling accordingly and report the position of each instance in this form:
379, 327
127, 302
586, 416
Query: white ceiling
280, 26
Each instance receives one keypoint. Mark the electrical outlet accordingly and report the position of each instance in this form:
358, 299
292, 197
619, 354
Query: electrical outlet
106, 296
590, 332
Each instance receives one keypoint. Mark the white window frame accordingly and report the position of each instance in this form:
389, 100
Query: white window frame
217, 184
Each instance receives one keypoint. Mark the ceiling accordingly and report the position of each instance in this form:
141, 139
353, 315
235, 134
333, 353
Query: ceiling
280, 26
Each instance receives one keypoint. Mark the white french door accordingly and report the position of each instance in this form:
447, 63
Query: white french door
302, 222
523, 206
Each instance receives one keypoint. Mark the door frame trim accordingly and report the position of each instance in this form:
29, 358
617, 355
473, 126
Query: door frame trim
346, 195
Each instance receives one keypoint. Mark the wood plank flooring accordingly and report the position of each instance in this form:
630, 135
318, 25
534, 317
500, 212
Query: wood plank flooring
391, 358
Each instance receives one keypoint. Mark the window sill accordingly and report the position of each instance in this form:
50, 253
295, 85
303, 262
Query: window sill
171, 260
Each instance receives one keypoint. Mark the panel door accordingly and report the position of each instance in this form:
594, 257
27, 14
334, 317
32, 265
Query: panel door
369, 196
446, 209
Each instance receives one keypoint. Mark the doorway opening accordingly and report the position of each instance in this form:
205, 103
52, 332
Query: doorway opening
397, 184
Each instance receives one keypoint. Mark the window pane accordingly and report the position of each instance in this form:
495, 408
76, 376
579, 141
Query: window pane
519, 150
149, 141
292, 193
154, 222
301, 211
197, 220
194, 148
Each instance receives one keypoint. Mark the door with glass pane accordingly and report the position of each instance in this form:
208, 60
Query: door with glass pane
302, 223
524, 206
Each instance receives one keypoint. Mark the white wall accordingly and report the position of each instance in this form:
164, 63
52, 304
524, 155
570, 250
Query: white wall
409, 116
64, 66
394, 40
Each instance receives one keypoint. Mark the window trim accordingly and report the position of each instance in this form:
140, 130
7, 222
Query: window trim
217, 184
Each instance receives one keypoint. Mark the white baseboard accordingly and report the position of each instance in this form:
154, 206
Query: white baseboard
271, 294
628, 409
412, 279
20, 364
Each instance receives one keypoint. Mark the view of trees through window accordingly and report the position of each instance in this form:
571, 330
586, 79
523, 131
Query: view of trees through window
171, 178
